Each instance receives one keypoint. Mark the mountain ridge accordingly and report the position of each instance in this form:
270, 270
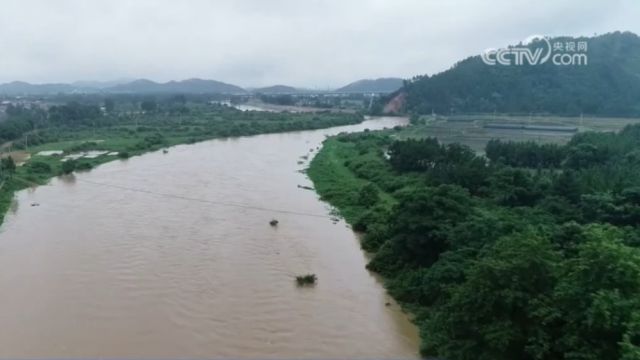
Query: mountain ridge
190, 86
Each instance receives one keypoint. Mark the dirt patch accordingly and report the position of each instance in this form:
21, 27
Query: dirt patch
20, 157
395, 105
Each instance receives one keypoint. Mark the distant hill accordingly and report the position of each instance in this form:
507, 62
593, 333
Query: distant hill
23, 88
143, 86
190, 86
277, 89
382, 85
608, 85
98, 85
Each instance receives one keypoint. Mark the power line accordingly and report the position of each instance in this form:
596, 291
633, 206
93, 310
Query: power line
205, 201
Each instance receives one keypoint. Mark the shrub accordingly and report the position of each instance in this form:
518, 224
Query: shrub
308, 279
39, 167
68, 166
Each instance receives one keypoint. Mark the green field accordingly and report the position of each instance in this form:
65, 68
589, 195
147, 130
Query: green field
470, 129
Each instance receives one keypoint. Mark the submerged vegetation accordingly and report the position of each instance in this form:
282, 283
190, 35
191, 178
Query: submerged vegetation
124, 127
532, 252
306, 280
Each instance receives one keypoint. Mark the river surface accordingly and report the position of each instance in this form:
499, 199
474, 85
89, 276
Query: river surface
172, 256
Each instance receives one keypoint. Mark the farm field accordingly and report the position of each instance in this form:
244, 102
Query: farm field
476, 130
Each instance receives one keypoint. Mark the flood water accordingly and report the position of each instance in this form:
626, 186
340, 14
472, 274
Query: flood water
172, 256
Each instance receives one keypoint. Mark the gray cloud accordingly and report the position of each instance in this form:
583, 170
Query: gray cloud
314, 43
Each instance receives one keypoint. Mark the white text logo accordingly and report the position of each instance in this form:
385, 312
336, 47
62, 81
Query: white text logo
539, 51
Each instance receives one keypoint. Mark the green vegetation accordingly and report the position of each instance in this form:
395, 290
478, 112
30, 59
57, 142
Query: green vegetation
607, 86
306, 280
130, 127
532, 252
334, 170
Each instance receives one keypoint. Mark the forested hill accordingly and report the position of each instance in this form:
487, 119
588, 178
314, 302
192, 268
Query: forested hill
382, 85
608, 85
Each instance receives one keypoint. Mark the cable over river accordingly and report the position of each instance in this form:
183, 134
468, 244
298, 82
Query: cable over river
172, 256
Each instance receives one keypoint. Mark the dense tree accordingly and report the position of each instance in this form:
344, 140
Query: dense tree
525, 154
597, 297
109, 105
74, 113
538, 257
149, 105
420, 224
494, 313
8, 165
69, 166
368, 195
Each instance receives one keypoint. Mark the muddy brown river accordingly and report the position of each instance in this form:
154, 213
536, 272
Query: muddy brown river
172, 256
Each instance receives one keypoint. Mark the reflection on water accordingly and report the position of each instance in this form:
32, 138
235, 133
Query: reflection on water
172, 255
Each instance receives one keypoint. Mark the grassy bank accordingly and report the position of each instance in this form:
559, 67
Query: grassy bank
352, 174
120, 137
338, 184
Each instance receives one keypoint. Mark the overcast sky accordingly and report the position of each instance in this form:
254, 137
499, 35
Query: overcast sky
311, 43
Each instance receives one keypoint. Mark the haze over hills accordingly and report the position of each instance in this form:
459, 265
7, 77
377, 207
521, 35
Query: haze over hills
278, 89
189, 86
381, 85
23, 88
87, 84
608, 85
198, 86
